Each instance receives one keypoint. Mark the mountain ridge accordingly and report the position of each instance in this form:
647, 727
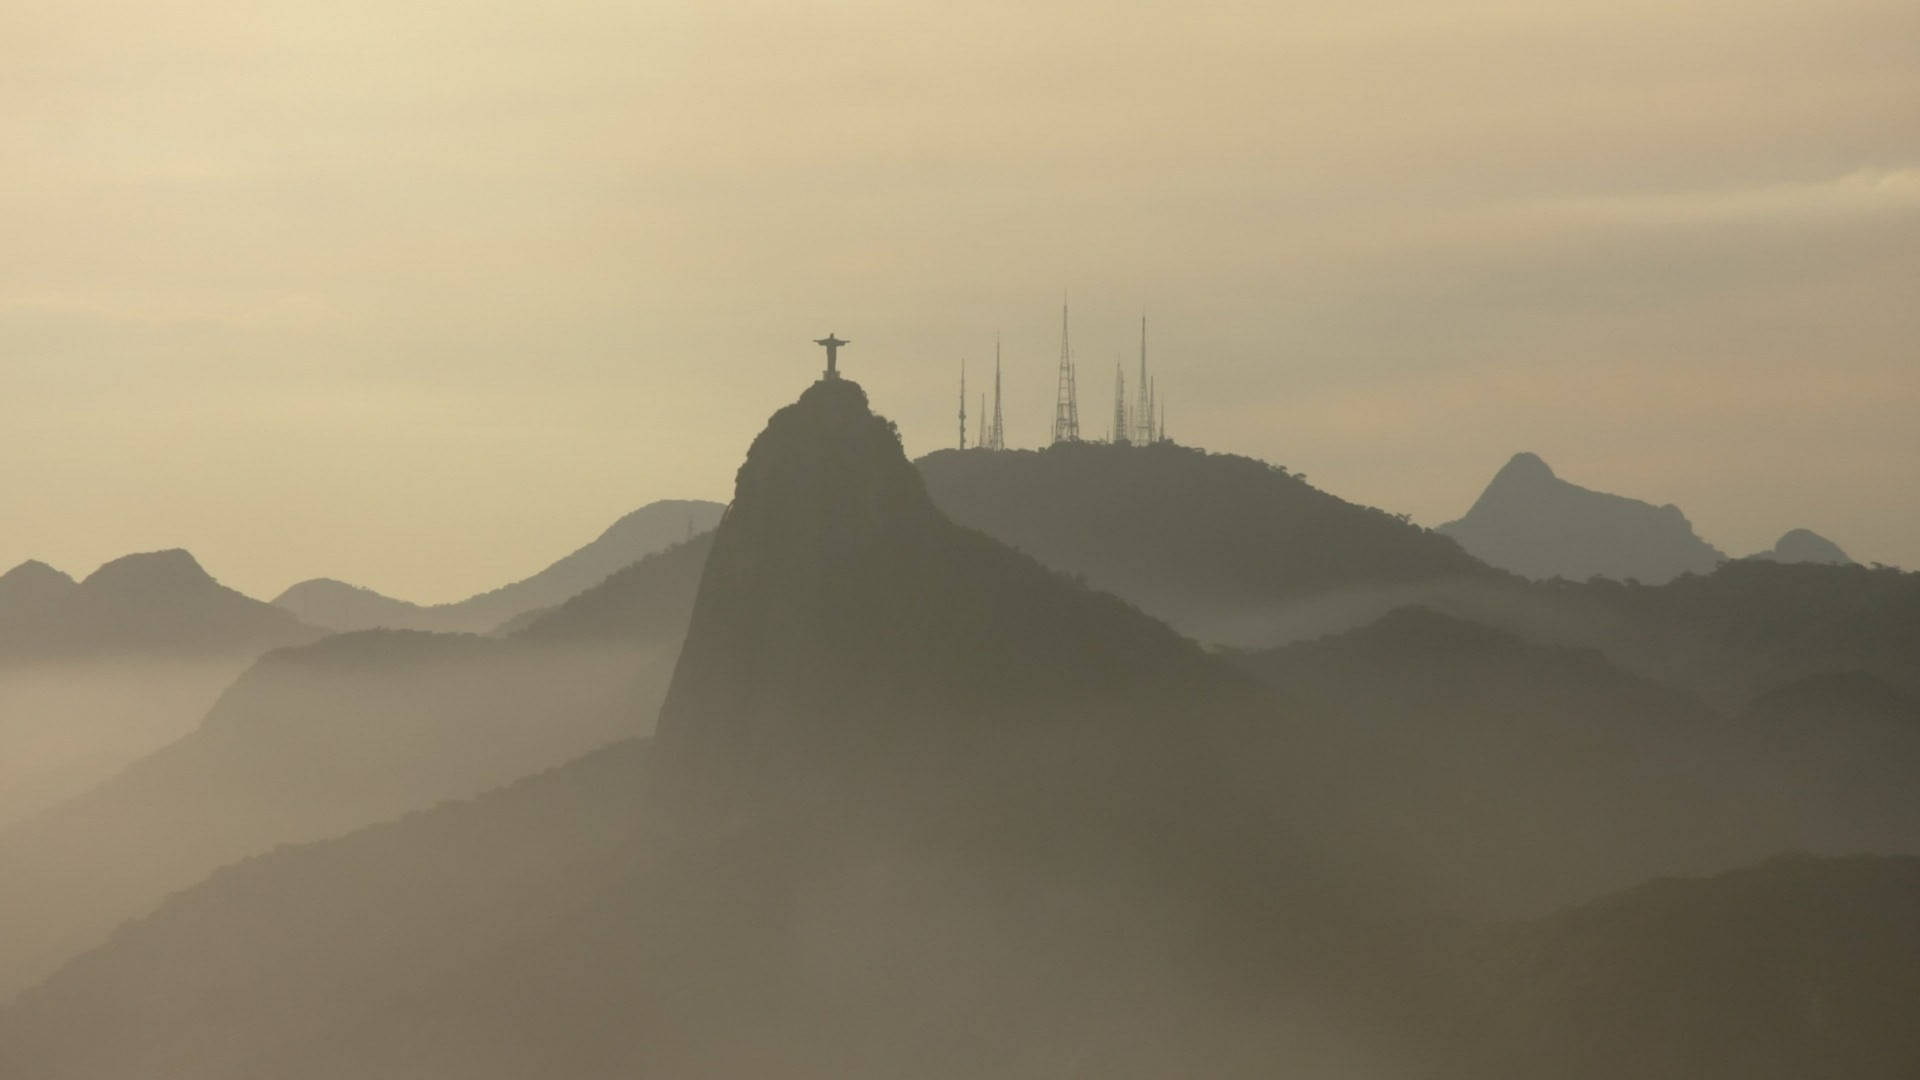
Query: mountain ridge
339, 605
159, 603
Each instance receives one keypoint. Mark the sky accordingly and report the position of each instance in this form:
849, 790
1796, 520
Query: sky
423, 296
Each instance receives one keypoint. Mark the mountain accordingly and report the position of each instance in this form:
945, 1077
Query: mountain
354, 729
1537, 525
340, 606
916, 806
1798, 969
919, 806
156, 604
1804, 545
1224, 547
835, 595
1518, 776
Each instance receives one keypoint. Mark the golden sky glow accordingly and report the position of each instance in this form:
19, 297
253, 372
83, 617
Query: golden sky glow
424, 295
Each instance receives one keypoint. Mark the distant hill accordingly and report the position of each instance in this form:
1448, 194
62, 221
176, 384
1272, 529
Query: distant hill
1799, 969
1537, 525
340, 606
33, 590
156, 604
1221, 546
1804, 545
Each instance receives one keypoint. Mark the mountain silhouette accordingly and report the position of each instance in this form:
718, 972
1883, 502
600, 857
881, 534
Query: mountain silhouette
161, 603
1224, 547
909, 790
920, 806
1535, 524
1804, 545
657, 525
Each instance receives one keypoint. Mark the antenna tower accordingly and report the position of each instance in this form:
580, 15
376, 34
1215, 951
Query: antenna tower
1143, 409
1066, 405
997, 437
1120, 434
963, 404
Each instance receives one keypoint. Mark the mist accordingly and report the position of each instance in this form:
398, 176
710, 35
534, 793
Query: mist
1355, 543
65, 727
418, 265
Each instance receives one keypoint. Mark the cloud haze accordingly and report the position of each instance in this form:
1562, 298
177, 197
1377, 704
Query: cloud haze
424, 296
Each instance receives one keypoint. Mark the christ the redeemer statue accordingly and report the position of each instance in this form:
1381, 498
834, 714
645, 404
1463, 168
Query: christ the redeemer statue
833, 354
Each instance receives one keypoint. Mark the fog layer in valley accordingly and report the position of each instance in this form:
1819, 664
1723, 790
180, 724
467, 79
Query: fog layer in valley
66, 726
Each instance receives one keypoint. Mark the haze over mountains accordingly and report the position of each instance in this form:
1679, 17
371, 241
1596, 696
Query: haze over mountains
1222, 546
95, 673
354, 729
921, 805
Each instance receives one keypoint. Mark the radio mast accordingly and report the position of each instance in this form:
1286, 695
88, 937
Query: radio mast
1066, 405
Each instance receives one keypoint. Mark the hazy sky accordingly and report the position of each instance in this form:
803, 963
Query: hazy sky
424, 295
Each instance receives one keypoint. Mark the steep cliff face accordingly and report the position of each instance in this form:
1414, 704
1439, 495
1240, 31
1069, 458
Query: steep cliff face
1533, 523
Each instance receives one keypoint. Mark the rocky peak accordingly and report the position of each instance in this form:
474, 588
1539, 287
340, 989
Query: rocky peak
1805, 545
